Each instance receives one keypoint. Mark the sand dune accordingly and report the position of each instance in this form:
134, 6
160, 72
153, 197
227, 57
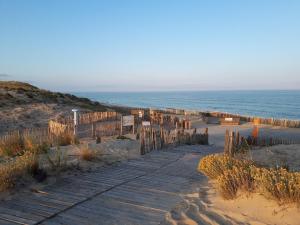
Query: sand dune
207, 207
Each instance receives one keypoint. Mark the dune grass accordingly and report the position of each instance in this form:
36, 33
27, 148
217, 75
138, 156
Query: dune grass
19, 154
65, 139
16, 144
233, 175
87, 154
17, 167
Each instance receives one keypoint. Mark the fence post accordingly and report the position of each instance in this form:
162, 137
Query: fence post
93, 130
121, 128
206, 136
231, 143
237, 142
226, 143
142, 140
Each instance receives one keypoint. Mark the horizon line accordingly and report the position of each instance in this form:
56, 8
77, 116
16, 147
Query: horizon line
140, 91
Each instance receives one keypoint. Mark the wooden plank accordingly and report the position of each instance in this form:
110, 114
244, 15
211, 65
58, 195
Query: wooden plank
43, 202
27, 208
18, 213
5, 222
16, 219
50, 192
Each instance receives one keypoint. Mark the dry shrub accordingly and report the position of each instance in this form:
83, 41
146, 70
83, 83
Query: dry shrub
65, 139
16, 145
233, 175
12, 170
237, 178
35, 147
87, 154
280, 184
11, 146
214, 165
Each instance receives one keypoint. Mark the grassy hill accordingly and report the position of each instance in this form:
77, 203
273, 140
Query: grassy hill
23, 105
12, 92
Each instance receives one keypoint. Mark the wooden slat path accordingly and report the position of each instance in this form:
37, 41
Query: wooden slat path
139, 191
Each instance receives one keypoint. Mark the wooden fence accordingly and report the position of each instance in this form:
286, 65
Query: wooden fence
57, 128
108, 128
234, 142
88, 118
90, 125
155, 139
258, 120
36, 135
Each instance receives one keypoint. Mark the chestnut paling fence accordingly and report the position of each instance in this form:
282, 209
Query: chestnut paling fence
89, 125
36, 135
154, 139
235, 143
259, 120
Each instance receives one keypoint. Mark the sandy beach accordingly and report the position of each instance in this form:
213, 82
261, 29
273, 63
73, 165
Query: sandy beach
206, 206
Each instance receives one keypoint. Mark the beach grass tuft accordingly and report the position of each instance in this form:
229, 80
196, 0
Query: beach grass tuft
87, 154
12, 170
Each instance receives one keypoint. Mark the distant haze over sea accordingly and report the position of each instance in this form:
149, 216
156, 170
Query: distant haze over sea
276, 104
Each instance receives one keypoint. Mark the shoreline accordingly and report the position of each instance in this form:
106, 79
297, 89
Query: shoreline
273, 104
282, 122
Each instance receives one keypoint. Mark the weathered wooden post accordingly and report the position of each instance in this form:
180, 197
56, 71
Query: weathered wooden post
226, 143
237, 142
162, 138
142, 141
231, 144
121, 126
93, 130
206, 136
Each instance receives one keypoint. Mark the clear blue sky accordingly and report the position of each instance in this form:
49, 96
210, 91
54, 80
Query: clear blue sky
73, 45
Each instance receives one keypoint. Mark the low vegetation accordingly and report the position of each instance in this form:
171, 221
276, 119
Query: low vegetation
19, 154
16, 168
16, 144
87, 154
233, 175
65, 139
278, 183
58, 160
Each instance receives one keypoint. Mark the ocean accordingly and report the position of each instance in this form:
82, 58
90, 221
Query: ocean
268, 104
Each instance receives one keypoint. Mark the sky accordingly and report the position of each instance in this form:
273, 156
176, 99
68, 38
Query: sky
151, 45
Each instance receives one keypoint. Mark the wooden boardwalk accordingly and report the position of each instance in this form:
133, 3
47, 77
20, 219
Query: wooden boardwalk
139, 191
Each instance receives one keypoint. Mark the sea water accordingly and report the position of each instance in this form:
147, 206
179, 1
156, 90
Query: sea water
269, 104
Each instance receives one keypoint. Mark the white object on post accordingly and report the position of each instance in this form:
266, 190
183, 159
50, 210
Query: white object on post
140, 114
75, 111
